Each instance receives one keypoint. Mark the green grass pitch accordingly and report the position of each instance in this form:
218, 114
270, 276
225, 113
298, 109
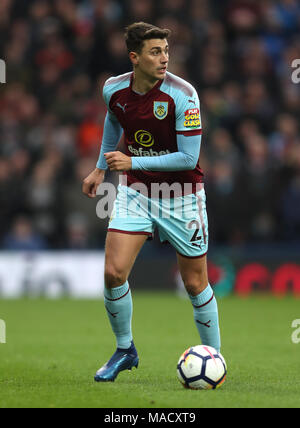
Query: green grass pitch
54, 348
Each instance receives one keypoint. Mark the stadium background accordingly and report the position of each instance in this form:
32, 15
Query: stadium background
238, 55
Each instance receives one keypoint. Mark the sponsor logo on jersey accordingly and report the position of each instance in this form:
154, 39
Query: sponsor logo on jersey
151, 152
144, 138
160, 109
192, 118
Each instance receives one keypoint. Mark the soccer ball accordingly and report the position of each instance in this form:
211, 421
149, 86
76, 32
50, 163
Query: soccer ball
201, 367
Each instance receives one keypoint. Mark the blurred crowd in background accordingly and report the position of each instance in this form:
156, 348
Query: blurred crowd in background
237, 53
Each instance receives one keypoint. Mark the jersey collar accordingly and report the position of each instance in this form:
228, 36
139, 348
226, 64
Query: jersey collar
155, 88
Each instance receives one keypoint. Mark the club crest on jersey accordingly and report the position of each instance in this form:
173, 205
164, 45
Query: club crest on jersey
160, 109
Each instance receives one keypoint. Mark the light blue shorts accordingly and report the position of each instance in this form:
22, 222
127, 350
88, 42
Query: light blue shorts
181, 221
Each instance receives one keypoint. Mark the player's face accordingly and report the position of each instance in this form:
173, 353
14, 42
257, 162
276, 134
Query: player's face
154, 58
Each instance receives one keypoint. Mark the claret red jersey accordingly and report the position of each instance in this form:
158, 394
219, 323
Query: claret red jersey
152, 121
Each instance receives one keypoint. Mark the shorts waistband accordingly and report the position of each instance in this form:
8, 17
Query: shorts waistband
162, 190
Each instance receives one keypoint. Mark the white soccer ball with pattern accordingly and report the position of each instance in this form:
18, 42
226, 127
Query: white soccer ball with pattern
201, 367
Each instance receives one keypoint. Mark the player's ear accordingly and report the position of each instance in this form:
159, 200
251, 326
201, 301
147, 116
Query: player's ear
134, 58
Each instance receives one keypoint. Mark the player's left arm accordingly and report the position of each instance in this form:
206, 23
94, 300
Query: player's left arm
185, 159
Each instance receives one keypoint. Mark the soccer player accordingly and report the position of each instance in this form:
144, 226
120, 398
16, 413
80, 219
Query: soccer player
159, 114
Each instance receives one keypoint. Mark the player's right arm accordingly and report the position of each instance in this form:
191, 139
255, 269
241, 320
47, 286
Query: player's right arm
92, 182
111, 136
112, 133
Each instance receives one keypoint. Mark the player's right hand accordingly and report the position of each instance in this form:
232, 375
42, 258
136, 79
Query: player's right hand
92, 182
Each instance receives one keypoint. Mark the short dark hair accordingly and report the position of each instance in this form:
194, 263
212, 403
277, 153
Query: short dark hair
136, 33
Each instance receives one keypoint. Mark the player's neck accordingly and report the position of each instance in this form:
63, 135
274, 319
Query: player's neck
142, 84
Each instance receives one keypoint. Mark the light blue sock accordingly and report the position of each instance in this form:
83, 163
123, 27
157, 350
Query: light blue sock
118, 303
206, 317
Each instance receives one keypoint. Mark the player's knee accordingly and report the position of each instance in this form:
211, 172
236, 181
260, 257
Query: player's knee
194, 284
114, 277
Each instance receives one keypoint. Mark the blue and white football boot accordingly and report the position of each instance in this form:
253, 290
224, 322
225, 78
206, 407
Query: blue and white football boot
123, 359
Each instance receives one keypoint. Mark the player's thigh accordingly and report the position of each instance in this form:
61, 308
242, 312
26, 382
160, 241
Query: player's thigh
194, 273
121, 250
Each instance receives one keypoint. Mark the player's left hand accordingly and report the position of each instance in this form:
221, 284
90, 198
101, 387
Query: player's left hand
117, 161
